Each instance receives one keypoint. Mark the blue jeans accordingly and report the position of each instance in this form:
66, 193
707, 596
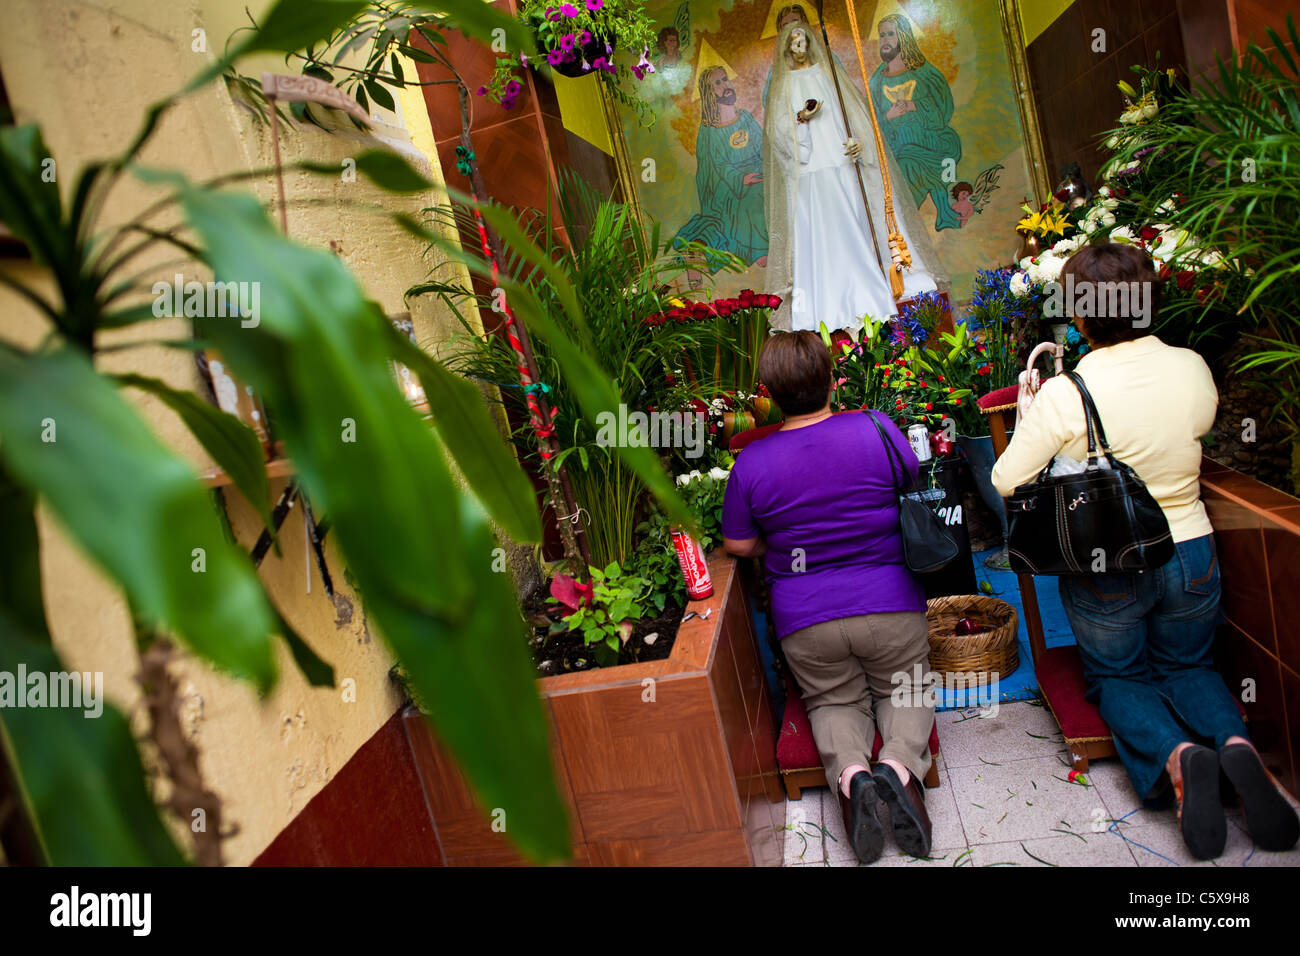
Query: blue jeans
1146, 641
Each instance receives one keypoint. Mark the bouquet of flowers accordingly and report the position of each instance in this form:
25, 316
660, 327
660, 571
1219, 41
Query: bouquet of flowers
722, 354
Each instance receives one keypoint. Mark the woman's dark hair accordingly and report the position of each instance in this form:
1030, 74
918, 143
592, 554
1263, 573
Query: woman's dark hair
796, 368
1103, 266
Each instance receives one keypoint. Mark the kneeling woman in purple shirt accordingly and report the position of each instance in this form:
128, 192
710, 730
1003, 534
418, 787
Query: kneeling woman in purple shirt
818, 501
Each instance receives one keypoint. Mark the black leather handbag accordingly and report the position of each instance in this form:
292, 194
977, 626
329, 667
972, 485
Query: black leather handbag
928, 544
1100, 521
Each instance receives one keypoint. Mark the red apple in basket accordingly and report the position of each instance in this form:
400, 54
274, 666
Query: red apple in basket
967, 626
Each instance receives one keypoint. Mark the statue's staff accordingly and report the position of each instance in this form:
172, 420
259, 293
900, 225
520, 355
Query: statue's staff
902, 258
835, 78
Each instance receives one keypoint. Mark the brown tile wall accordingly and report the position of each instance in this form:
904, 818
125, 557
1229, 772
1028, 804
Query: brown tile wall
1257, 533
1074, 88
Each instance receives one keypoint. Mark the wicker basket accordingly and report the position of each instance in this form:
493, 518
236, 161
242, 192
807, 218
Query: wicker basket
984, 653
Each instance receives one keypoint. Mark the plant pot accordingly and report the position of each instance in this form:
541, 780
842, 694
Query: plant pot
669, 762
979, 452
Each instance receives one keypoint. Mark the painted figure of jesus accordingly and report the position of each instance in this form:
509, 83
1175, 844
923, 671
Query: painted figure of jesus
825, 260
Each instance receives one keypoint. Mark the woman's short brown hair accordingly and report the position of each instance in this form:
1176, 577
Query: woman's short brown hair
1114, 262
796, 368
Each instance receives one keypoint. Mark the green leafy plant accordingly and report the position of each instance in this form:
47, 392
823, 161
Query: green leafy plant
861, 365
656, 557
617, 603
594, 293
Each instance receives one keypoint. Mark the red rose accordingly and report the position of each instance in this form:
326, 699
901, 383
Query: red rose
700, 310
670, 378
774, 302
922, 384
1148, 233
1186, 279
942, 379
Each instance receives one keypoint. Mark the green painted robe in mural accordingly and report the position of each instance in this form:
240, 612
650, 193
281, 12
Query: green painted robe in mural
731, 215
922, 139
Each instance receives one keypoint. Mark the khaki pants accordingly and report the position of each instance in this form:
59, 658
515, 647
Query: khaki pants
848, 665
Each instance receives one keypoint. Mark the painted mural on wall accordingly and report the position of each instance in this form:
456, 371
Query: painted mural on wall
943, 97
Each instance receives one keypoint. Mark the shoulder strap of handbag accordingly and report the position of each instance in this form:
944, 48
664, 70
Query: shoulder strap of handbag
890, 451
1096, 434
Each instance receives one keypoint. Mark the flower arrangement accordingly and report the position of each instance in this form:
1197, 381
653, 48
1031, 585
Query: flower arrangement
1051, 219
721, 355
578, 38
919, 320
918, 391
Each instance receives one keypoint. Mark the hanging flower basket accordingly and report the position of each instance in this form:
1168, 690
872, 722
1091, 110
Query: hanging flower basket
579, 38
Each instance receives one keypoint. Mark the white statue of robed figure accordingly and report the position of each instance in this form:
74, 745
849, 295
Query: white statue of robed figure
822, 257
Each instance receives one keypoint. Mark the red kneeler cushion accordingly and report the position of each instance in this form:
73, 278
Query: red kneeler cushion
796, 749
1060, 678
999, 397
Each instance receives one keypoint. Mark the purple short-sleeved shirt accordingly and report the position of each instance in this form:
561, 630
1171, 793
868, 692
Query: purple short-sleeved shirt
823, 499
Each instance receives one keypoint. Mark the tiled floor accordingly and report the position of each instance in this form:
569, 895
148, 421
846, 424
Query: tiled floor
1005, 799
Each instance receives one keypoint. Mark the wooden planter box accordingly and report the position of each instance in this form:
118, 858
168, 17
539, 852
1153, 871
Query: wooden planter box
688, 778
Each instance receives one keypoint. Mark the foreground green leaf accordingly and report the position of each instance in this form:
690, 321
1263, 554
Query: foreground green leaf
135, 507
419, 549
471, 436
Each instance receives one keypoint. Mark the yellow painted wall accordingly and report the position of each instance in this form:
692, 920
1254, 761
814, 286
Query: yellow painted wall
1037, 15
86, 71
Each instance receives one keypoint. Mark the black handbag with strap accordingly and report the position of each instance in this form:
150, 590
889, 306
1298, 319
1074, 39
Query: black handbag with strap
928, 543
1099, 521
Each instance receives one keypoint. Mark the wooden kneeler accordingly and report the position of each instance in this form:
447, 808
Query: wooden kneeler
1059, 669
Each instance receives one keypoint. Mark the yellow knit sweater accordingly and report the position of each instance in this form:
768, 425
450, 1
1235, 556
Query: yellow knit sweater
1155, 402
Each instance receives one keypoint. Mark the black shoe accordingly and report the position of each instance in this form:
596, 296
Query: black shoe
1204, 827
906, 811
865, 833
1272, 823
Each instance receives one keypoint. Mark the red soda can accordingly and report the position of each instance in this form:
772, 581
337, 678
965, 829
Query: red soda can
695, 569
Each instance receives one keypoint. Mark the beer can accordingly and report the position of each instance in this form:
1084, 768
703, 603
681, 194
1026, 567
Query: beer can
919, 437
695, 569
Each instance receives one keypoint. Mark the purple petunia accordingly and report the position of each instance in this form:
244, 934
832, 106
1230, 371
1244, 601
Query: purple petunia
555, 57
566, 42
481, 91
569, 10
508, 103
513, 88
594, 5
584, 37
552, 13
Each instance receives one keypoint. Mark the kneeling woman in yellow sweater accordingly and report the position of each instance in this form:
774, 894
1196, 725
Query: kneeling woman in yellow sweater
1146, 639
